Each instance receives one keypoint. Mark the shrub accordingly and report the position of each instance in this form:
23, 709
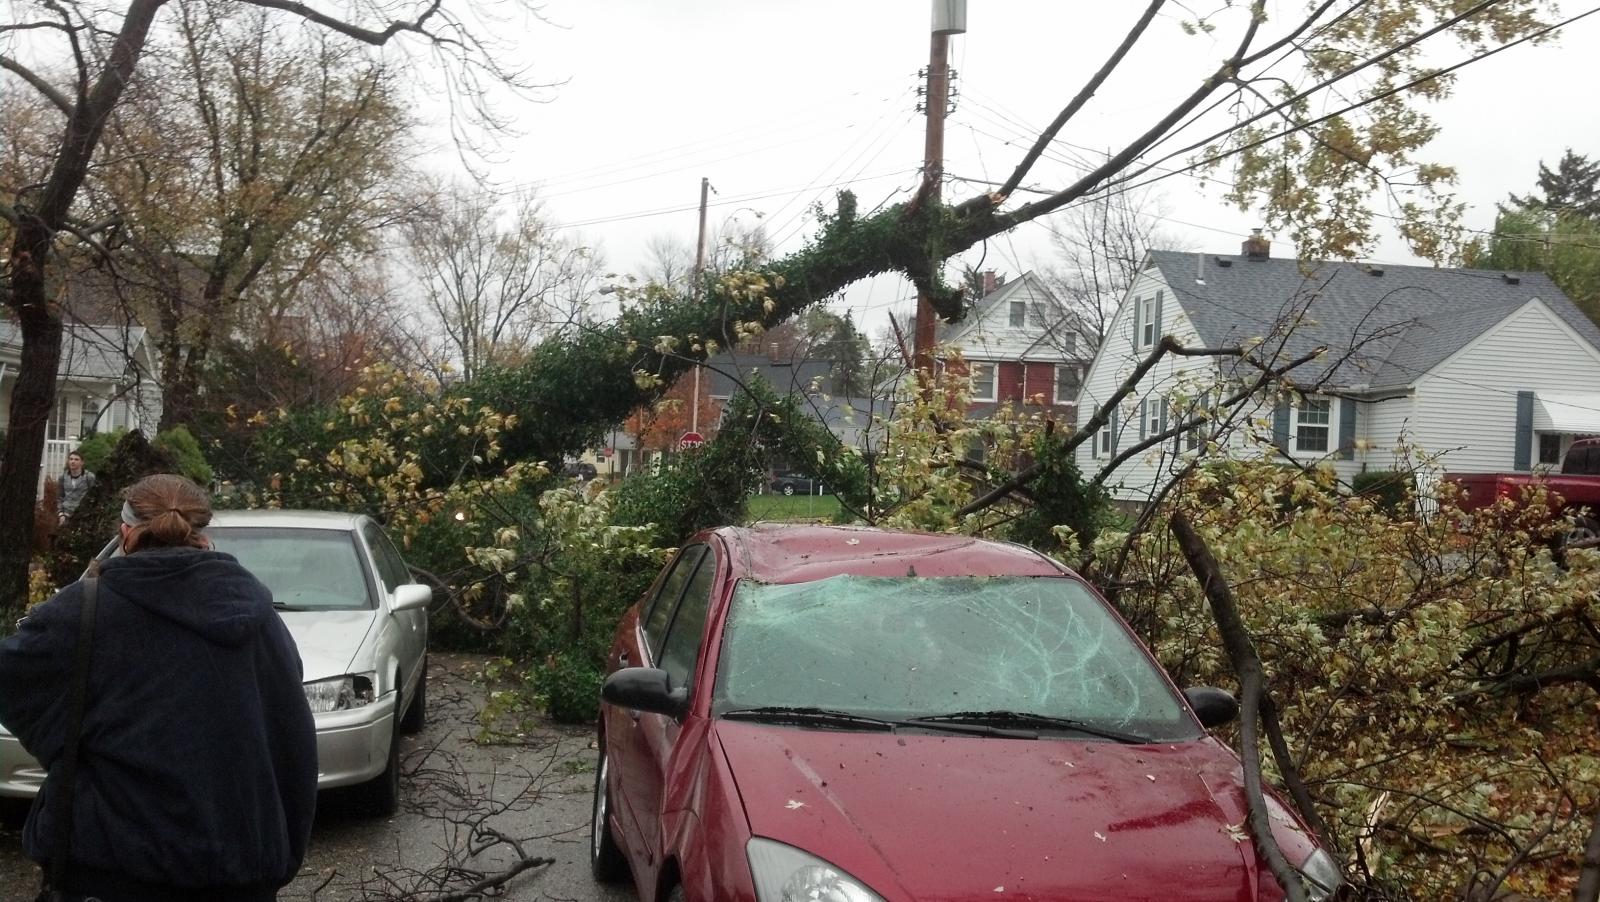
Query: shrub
96, 449
570, 686
1389, 490
185, 452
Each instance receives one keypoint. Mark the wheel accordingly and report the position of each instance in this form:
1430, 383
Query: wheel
417, 715
380, 796
1583, 529
788, 489
605, 858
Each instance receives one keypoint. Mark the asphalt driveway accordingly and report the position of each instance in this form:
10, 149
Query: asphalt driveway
460, 798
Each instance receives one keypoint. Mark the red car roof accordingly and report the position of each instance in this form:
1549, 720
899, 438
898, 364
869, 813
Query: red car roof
786, 553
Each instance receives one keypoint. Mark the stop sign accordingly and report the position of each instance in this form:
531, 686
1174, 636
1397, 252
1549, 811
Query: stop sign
691, 440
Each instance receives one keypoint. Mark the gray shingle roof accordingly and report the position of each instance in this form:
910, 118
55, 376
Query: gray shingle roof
87, 351
1381, 331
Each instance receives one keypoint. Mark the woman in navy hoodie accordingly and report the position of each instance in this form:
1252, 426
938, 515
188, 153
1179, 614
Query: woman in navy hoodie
197, 768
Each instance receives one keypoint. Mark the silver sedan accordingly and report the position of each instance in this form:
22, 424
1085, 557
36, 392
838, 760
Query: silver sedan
361, 623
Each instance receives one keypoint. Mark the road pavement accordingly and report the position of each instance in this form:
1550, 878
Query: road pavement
458, 795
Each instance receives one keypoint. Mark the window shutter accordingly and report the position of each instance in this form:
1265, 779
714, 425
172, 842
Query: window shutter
1163, 415
1280, 426
1138, 303
1347, 428
1160, 296
1524, 452
1114, 424
1144, 415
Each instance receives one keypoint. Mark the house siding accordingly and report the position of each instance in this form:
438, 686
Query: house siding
1138, 478
1467, 406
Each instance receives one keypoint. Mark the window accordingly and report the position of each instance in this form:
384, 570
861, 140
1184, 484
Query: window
1311, 425
662, 606
1103, 441
1067, 339
1019, 312
1067, 383
1155, 416
1147, 322
89, 419
1192, 438
56, 429
982, 381
1036, 311
681, 649
306, 569
1549, 449
391, 567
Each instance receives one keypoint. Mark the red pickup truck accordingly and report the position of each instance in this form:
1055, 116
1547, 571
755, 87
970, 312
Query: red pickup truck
1576, 488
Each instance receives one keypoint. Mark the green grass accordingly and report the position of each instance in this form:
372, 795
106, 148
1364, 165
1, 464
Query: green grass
794, 507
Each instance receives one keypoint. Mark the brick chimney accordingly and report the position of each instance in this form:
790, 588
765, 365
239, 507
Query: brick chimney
990, 282
1257, 247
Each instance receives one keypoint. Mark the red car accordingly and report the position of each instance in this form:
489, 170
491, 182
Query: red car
844, 714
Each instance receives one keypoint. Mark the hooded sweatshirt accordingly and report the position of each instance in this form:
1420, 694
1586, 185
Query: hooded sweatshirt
198, 762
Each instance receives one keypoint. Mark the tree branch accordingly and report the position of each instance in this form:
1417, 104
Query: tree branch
365, 35
1084, 95
50, 92
1247, 666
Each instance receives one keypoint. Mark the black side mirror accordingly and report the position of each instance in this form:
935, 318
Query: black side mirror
1213, 706
645, 689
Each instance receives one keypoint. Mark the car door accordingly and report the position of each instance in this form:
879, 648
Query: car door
629, 757
407, 630
658, 733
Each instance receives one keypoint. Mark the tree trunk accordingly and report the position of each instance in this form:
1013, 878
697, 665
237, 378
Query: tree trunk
32, 403
37, 313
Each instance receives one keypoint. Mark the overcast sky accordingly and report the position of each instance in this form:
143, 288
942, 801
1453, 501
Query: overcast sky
780, 103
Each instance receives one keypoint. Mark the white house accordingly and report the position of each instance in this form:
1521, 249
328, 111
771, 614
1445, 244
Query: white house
1491, 371
107, 379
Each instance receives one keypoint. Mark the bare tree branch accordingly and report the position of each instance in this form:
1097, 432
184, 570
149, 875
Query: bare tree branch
1084, 94
50, 92
365, 35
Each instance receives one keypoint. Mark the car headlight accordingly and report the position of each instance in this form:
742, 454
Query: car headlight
786, 874
340, 693
1322, 876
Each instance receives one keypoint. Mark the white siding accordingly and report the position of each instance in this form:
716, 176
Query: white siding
1380, 425
1467, 405
1138, 477
989, 334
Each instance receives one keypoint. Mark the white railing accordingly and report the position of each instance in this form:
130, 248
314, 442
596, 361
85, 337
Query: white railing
55, 461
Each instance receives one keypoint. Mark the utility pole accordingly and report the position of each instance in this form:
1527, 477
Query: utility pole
699, 275
949, 17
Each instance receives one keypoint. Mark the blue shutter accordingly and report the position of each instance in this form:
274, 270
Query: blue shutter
1280, 426
1138, 336
1347, 428
1114, 424
1160, 296
1524, 453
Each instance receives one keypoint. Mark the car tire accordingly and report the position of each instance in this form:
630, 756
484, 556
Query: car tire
1583, 529
380, 796
788, 489
605, 857
417, 715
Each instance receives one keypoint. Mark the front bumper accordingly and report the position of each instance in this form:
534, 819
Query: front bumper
352, 747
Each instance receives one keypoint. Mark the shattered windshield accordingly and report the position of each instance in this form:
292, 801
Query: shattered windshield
906, 647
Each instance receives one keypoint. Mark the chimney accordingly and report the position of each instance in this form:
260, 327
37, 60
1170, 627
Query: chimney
990, 283
1257, 247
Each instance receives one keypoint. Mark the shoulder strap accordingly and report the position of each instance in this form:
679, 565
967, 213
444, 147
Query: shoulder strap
76, 702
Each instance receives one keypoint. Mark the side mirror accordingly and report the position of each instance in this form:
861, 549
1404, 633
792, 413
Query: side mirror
410, 596
1213, 706
645, 689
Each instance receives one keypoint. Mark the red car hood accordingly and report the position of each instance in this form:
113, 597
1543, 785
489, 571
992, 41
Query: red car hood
957, 817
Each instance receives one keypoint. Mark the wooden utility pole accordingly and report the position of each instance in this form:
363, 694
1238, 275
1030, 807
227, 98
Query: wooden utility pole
699, 276
949, 17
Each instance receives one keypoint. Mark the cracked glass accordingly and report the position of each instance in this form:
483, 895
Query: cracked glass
900, 647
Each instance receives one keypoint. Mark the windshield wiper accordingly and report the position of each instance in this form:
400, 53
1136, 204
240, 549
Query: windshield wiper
817, 716
1026, 719
294, 608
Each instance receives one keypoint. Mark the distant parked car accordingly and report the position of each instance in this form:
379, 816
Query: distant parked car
853, 714
580, 470
361, 624
1575, 489
795, 484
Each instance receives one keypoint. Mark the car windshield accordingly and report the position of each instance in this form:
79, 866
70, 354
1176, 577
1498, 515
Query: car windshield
910, 647
306, 569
